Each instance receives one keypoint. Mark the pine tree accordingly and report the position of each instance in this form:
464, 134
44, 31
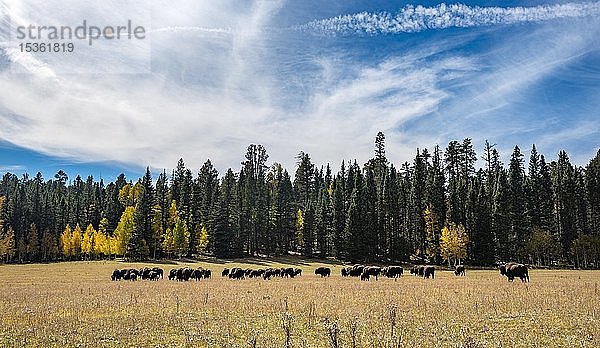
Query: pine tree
478, 226
143, 238
592, 185
501, 223
563, 187
516, 204
339, 214
48, 247
417, 203
32, 243
254, 200
432, 226
225, 239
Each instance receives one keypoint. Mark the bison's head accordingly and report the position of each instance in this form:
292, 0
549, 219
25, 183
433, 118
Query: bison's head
502, 269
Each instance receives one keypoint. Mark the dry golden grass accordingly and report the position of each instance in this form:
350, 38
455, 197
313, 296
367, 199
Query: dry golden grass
76, 304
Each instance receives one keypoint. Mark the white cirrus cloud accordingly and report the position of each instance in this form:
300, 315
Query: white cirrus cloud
419, 18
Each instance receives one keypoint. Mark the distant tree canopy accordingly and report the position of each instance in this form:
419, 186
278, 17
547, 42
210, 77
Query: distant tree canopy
437, 208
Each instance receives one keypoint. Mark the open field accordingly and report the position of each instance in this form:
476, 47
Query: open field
76, 304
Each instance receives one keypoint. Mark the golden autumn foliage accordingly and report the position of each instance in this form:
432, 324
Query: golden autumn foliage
453, 242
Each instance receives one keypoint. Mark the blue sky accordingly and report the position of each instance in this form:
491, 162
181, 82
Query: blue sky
313, 76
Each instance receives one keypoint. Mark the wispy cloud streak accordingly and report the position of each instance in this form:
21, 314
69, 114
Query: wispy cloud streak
419, 18
191, 29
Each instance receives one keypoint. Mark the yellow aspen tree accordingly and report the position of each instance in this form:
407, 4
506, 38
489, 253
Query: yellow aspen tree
7, 245
104, 247
453, 242
97, 241
65, 242
113, 246
202, 242
173, 214
181, 237
299, 228
87, 243
124, 230
167, 244
76, 239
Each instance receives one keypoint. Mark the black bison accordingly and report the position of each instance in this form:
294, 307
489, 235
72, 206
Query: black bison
428, 271
515, 270
364, 275
323, 271
116, 275
173, 274
130, 274
269, 273
345, 271
356, 270
392, 271
181, 274
374, 271
288, 272
225, 272
237, 273
459, 270
159, 271
154, 275
418, 271
297, 272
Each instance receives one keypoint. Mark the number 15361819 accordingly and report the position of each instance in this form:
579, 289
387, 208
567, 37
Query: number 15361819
50, 47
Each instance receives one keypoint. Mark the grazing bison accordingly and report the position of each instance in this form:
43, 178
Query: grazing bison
418, 271
459, 270
130, 274
374, 271
159, 271
323, 271
237, 273
288, 272
173, 274
297, 272
225, 272
153, 275
428, 271
515, 270
345, 272
197, 273
116, 275
364, 275
184, 274
356, 270
392, 271
269, 272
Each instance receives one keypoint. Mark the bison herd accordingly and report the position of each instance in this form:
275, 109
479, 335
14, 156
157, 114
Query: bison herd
265, 273
511, 270
133, 274
187, 273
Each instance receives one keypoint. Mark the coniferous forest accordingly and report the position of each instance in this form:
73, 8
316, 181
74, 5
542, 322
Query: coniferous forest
440, 208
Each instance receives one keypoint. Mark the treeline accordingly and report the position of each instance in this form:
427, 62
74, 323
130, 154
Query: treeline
437, 208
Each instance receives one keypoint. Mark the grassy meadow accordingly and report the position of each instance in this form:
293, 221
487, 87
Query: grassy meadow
76, 304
